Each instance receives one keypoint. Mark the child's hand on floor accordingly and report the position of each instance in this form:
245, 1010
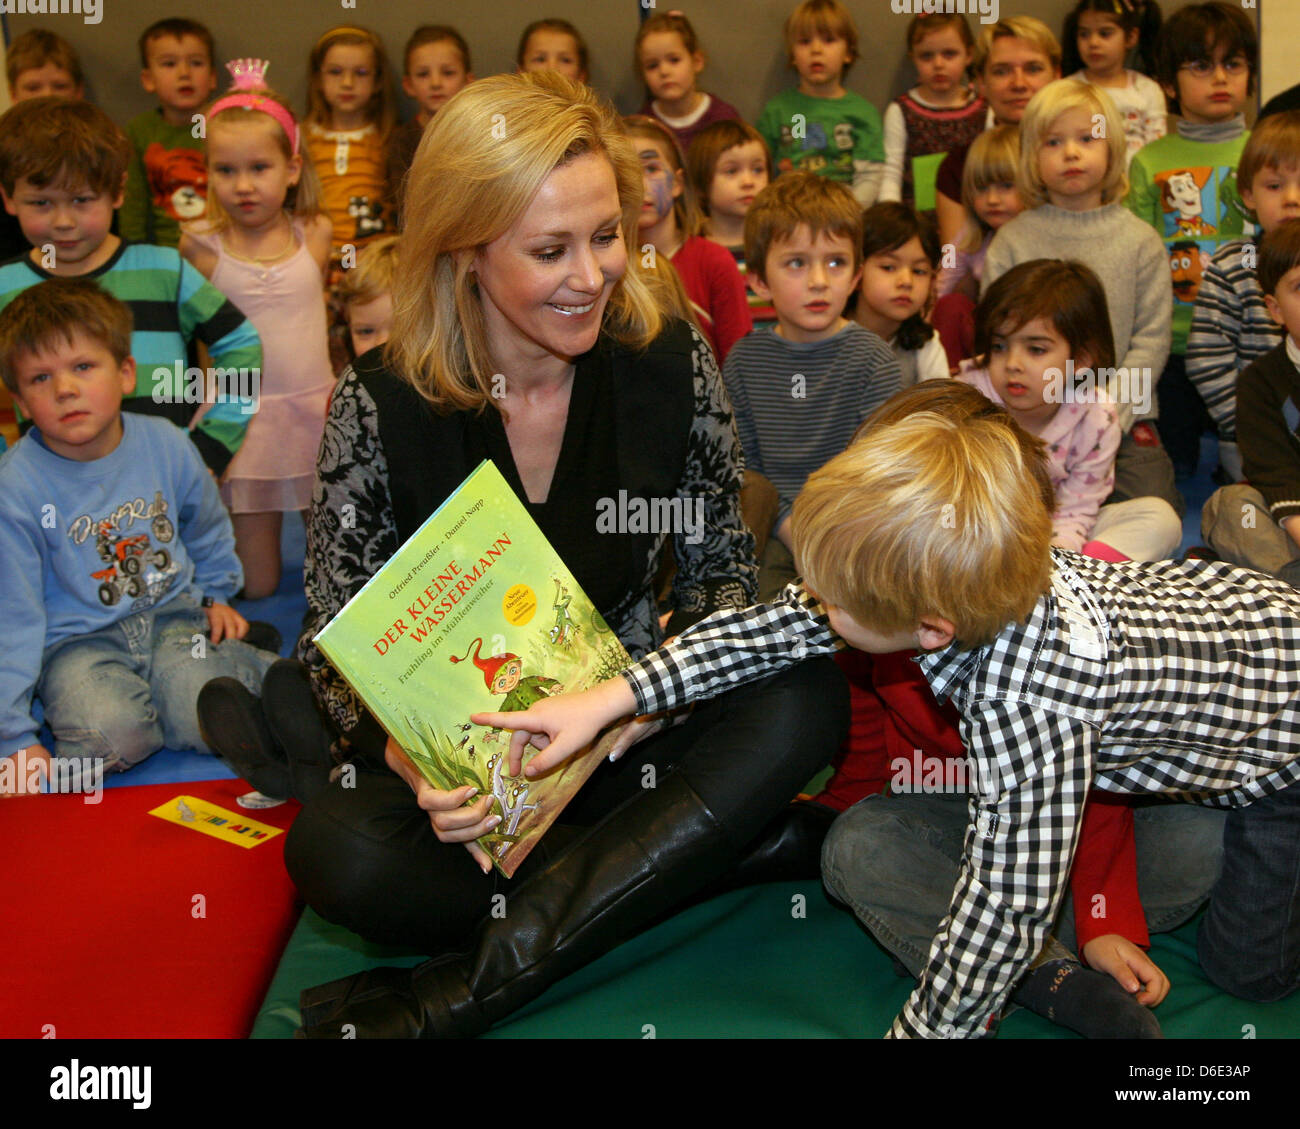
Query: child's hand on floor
1129, 965
225, 623
562, 725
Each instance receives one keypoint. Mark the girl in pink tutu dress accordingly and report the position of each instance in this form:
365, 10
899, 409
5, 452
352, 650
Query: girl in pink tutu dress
265, 245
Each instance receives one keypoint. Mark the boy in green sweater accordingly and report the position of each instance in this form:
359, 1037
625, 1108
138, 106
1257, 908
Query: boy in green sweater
820, 127
167, 179
1185, 185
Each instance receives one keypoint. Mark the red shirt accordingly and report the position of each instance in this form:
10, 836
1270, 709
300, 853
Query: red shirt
708, 272
895, 715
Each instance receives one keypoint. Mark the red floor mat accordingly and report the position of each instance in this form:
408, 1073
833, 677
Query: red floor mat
120, 924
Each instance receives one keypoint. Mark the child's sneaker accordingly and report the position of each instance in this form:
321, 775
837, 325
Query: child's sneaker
256, 801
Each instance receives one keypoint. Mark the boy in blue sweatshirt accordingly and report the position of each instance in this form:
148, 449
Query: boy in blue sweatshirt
118, 557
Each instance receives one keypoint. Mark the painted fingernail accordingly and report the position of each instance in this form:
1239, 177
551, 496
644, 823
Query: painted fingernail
493, 821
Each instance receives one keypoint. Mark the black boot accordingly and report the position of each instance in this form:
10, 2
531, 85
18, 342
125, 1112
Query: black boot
233, 726
788, 849
298, 727
642, 860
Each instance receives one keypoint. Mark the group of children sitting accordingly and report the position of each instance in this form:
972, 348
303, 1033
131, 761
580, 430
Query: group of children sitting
1041, 239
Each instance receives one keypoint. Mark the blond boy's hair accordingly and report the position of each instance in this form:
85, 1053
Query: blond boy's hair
943, 509
57, 310
373, 274
1274, 143
993, 158
34, 49
822, 17
465, 190
800, 198
1053, 100
1027, 28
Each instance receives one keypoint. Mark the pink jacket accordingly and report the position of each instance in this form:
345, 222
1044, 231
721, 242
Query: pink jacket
1082, 440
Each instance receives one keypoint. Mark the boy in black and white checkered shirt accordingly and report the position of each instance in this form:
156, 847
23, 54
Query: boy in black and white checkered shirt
1168, 678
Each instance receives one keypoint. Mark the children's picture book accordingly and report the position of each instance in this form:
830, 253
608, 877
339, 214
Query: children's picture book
476, 613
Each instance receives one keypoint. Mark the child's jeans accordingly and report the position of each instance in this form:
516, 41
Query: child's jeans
121, 693
894, 861
1249, 942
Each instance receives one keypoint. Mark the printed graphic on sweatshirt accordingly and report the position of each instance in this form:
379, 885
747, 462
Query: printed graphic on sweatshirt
178, 181
815, 152
1198, 213
130, 543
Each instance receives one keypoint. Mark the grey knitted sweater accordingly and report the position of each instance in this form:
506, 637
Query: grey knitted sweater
1129, 258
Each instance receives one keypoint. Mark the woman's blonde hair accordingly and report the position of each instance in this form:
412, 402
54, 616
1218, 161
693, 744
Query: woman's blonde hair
480, 163
303, 199
993, 158
941, 506
381, 110
1053, 100
671, 296
1032, 31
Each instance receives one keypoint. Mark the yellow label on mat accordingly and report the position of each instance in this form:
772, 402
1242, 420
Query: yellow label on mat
221, 823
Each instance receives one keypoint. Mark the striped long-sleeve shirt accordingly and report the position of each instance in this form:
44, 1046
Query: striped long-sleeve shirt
1230, 328
798, 404
172, 304
1180, 678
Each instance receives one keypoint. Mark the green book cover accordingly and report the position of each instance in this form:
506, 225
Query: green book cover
476, 613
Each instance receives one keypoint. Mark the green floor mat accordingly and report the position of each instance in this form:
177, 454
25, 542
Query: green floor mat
770, 961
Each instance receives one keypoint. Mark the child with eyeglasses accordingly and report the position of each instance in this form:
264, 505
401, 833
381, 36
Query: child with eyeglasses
1185, 185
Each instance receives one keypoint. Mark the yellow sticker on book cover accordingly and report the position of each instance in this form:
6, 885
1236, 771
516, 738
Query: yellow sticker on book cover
220, 823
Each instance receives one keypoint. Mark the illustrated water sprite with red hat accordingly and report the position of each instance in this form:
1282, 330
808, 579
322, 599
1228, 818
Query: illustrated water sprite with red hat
504, 675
